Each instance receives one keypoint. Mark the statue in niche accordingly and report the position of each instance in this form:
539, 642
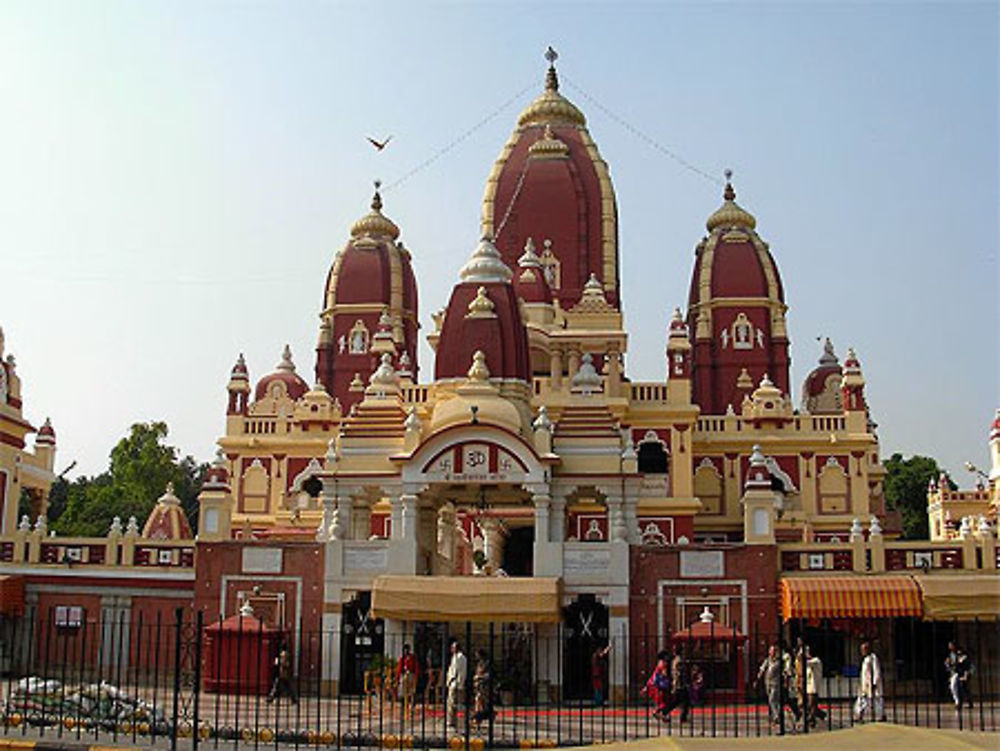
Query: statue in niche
358, 341
550, 266
593, 531
742, 332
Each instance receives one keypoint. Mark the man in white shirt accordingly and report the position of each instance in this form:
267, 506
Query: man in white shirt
455, 683
870, 695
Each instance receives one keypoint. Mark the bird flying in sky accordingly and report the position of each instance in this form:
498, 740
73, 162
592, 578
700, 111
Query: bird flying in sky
379, 145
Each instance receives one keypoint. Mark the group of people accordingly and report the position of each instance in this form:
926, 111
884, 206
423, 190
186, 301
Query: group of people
673, 683
482, 686
792, 680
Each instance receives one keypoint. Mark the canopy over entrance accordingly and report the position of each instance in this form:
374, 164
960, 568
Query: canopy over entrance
467, 598
850, 597
963, 596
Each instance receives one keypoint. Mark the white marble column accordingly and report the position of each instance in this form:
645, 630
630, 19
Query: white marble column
542, 525
555, 369
617, 531
323, 532
493, 537
408, 517
557, 520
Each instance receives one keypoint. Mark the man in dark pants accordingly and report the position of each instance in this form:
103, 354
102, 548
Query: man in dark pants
283, 684
679, 696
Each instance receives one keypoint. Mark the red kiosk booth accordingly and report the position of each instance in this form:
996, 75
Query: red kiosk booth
239, 654
717, 650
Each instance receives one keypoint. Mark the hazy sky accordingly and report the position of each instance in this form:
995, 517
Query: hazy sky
175, 179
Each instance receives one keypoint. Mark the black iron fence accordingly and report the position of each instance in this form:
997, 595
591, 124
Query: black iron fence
176, 679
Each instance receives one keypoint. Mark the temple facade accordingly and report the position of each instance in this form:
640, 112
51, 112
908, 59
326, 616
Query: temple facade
524, 477
531, 455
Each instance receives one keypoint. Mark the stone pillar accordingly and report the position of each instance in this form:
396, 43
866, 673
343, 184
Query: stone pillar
557, 520
542, 526
877, 544
555, 368
574, 361
612, 367
617, 532
407, 517
324, 532
632, 519
493, 537
345, 507
361, 519
116, 611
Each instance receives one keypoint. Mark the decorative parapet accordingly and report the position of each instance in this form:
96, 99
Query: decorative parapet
117, 550
876, 555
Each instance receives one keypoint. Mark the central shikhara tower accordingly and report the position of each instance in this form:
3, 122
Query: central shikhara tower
531, 452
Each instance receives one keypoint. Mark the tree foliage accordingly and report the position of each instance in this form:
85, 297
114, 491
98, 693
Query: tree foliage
140, 467
905, 485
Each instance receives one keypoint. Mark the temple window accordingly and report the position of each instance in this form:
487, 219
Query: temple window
652, 455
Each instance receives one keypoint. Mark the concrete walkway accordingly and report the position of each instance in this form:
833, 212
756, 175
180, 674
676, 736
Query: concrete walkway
881, 736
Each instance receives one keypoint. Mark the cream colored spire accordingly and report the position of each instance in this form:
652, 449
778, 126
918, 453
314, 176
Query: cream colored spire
485, 265
286, 365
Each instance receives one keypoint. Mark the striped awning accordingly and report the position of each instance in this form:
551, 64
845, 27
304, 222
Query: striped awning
850, 597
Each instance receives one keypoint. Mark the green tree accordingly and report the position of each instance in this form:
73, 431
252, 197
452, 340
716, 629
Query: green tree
905, 485
141, 466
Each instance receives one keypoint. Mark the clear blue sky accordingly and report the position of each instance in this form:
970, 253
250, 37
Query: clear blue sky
176, 177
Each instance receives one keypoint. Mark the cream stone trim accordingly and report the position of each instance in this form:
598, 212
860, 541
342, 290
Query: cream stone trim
609, 220
490, 192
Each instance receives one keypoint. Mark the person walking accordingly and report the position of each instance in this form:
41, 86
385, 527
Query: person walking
959, 666
658, 685
283, 685
482, 707
455, 683
771, 673
598, 669
679, 694
870, 691
814, 676
406, 678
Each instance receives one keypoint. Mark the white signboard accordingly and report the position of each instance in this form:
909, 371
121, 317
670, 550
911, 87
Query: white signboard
366, 559
701, 563
586, 562
262, 560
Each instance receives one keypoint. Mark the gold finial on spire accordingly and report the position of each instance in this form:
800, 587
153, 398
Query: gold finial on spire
730, 214
551, 79
729, 194
551, 106
375, 223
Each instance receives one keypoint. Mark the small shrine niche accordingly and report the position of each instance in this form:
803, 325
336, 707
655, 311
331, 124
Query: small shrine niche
358, 338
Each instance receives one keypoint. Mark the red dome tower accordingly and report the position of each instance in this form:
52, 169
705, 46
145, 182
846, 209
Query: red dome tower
371, 287
736, 310
550, 183
483, 315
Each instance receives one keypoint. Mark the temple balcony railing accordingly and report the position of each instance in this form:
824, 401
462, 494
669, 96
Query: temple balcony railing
117, 550
875, 554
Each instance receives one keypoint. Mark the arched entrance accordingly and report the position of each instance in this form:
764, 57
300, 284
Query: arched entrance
361, 638
585, 631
